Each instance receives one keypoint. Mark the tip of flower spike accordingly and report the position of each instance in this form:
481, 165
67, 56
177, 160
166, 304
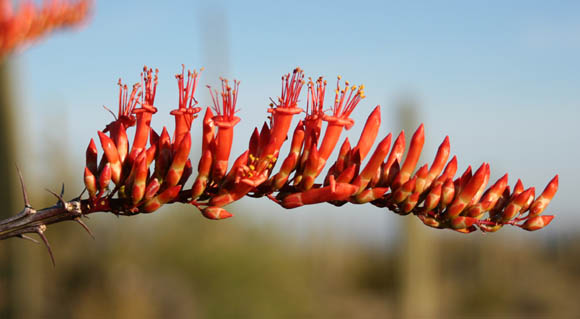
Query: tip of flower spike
537, 222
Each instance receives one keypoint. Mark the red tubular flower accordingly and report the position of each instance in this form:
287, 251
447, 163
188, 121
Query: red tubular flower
208, 130
124, 118
335, 191
291, 161
154, 203
145, 112
284, 110
216, 213
112, 156
104, 179
432, 199
164, 156
468, 192
369, 195
203, 172
447, 193
310, 171
374, 164
179, 159
225, 120
314, 114
490, 197
345, 102
347, 175
405, 190
421, 179
151, 189
543, 200
394, 157
187, 112
438, 162
448, 173
91, 157
340, 161
91, 183
140, 179
370, 132
412, 158
537, 222
517, 204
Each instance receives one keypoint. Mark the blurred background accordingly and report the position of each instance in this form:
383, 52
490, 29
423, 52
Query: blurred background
501, 79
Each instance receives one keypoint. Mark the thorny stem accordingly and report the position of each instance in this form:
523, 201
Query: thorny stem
31, 221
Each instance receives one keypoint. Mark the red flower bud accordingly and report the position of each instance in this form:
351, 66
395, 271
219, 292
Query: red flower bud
215, 213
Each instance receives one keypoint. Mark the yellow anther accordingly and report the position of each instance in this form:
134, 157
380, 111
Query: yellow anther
362, 87
347, 83
339, 77
252, 167
353, 87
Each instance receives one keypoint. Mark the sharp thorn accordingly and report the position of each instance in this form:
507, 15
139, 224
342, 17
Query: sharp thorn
62, 191
28, 238
81, 194
24, 194
83, 225
40, 232
59, 197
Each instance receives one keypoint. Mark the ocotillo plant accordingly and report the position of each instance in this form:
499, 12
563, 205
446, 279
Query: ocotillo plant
141, 175
24, 24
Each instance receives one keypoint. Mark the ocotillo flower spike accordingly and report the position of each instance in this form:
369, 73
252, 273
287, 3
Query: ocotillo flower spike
156, 170
29, 21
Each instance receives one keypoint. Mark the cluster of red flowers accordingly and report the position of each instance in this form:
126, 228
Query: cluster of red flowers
149, 175
29, 22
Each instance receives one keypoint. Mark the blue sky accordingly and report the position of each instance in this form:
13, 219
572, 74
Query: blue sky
500, 78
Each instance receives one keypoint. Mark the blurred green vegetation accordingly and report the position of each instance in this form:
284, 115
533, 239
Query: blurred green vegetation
176, 264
